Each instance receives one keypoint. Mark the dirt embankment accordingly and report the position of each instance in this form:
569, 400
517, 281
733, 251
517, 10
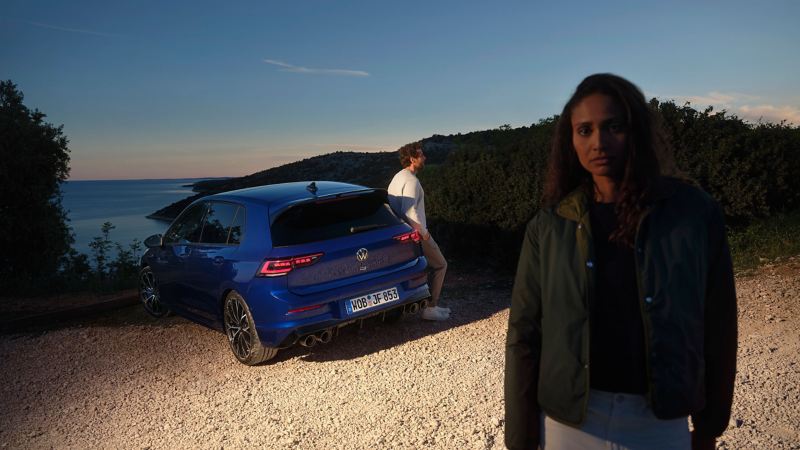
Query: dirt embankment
126, 381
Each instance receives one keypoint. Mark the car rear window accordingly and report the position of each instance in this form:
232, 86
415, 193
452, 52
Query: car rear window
328, 219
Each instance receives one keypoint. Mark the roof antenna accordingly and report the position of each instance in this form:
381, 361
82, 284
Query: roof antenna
312, 187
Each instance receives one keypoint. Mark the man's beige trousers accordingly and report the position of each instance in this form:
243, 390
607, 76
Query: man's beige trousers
437, 266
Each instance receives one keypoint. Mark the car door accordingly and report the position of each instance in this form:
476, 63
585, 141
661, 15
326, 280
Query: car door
211, 262
178, 241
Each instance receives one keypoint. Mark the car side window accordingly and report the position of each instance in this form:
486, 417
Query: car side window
235, 233
218, 223
188, 227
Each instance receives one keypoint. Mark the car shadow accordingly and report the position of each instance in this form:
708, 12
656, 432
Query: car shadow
472, 296
471, 299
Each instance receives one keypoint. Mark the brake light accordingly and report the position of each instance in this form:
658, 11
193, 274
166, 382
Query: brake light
282, 266
409, 237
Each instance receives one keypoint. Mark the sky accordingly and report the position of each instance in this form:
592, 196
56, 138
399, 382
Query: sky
179, 89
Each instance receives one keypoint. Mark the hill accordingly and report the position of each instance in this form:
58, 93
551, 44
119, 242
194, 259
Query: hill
367, 169
481, 188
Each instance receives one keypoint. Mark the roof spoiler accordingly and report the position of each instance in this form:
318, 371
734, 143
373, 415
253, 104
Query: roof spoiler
274, 214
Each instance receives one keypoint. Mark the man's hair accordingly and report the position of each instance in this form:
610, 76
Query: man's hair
409, 151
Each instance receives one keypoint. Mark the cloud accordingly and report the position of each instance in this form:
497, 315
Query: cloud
748, 107
286, 67
69, 30
770, 113
713, 98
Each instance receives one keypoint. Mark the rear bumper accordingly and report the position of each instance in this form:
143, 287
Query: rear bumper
278, 327
292, 337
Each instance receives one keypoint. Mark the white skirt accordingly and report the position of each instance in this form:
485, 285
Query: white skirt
616, 422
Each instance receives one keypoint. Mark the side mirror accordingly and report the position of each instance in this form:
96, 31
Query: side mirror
153, 241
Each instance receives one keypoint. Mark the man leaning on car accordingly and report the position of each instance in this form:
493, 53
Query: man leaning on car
407, 199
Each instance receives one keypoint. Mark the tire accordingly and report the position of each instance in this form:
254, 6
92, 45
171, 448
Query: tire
241, 332
149, 294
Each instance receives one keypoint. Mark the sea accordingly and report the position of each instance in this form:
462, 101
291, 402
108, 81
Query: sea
124, 203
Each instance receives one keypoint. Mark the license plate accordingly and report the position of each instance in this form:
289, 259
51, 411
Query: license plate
368, 301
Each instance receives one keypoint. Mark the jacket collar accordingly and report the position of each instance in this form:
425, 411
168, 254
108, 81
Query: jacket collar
575, 206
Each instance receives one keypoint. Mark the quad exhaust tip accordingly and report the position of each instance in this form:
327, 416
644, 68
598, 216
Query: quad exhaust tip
416, 307
308, 341
323, 337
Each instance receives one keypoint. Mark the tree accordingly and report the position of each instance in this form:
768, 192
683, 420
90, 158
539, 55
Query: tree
34, 161
101, 246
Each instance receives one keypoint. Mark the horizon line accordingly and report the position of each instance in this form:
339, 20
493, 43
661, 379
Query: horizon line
148, 179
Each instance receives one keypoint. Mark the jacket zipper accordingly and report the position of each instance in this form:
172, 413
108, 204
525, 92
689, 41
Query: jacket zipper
638, 253
589, 289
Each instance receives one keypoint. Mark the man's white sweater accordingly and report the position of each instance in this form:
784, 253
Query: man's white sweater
407, 199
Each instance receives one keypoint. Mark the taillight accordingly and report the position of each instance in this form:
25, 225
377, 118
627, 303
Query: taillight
409, 237
282, 266
304, 308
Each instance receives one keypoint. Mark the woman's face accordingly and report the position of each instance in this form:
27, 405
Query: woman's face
599, 135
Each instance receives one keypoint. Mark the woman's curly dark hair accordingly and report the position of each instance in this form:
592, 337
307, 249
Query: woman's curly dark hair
648, 155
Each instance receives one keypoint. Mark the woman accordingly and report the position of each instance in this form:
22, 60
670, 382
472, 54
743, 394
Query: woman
623, 313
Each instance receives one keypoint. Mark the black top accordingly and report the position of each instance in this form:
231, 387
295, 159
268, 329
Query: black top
617, 333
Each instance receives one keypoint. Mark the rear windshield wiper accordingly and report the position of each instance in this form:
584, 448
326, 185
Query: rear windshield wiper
361, 228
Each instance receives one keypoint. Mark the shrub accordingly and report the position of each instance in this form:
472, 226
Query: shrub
481, 197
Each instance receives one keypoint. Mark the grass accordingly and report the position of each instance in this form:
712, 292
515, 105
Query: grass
765, 240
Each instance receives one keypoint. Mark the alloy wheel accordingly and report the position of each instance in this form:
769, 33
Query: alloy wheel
149, 295
237, 327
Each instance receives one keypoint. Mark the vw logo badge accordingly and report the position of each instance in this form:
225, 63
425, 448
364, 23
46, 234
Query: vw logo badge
362, 254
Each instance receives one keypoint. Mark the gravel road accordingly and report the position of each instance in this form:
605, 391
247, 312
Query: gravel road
127, 381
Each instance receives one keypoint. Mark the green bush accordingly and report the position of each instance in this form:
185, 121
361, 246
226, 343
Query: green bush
481, 197
119, 273
102, 272
765, 240
752, 170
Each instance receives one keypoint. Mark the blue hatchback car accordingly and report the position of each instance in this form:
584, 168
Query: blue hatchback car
276, 265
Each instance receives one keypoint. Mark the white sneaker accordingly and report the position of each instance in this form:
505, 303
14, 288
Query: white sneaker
434, 313
447, 310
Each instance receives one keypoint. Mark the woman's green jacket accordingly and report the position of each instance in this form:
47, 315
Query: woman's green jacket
688, 303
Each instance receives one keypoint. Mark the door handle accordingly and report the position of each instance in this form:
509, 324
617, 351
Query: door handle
218, 260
